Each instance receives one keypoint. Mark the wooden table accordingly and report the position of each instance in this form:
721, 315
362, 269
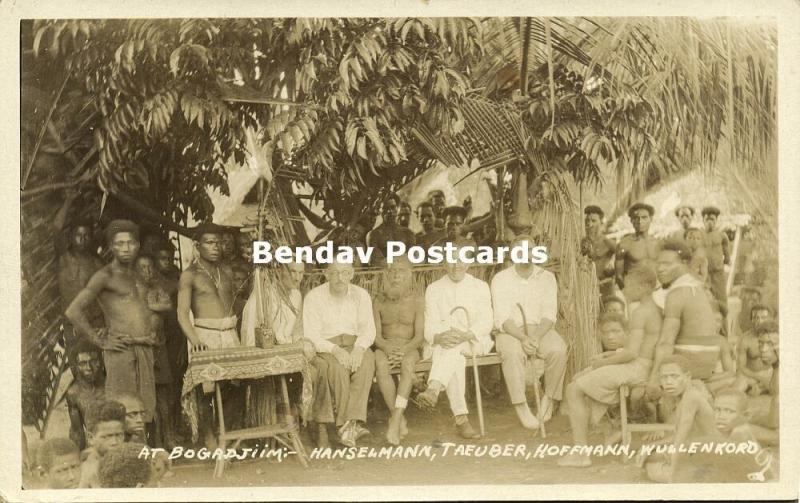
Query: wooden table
243, 363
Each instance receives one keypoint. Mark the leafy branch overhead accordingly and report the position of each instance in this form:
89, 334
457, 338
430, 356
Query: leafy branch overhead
166, 92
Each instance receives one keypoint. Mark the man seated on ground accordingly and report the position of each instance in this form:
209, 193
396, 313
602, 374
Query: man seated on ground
698, 265
688, 328
128, 340
206, 294
284, 311
458, 320
686, 404
596, 388
399, 328
134, 416
755, 374
338, 319
87, 387
529, 335
123, 467
159, 303
59, 463
105, 428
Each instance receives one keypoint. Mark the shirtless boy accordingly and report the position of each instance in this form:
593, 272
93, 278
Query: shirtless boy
105, 428
600, 249
128, 340
638, 248
399, 328
59, 462
755, 374
594, 389
134, 411
85, 389
206, 290
699, 262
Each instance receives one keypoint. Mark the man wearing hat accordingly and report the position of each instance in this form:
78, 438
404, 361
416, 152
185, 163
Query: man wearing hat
637, 248
717, 246
127, 341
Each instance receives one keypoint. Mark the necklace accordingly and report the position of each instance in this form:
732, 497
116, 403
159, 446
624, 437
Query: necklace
217, 281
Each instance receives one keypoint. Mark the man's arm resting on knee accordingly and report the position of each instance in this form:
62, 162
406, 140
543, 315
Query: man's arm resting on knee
670, 328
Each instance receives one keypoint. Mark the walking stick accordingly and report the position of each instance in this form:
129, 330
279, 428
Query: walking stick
535, 381
474, 373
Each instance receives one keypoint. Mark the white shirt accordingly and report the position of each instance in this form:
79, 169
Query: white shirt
283, 317
443, 295
538, 295
660, 295
326, 316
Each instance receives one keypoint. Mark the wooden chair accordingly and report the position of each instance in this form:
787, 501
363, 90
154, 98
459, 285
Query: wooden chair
629, 428
474, 362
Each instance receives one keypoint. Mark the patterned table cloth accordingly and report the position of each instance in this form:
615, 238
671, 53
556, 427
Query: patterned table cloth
243, 363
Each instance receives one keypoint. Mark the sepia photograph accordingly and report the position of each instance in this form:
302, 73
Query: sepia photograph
266, 252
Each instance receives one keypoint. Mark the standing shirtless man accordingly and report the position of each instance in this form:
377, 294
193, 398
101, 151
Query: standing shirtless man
599, 248
399, 330
206, 290
638, 248
128, 340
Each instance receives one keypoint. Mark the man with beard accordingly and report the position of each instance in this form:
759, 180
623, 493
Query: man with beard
128, 340
599, 248
428, 235
638, 248
283, 312
685, 215
85, 389
458, 319
206, 292
437, 200
338, 319
389, 229
689, 326
398, 337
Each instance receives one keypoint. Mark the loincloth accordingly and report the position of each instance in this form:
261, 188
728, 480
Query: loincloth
132, 371
217, 333
702, 358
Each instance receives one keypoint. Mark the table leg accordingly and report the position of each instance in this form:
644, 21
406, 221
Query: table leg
219, 467
292, 426
287, 408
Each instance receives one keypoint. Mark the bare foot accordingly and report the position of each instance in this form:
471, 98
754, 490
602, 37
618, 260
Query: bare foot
403, 427
427, 399
393, 432
575, 460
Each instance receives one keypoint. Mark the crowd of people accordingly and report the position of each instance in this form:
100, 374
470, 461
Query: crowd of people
134, 323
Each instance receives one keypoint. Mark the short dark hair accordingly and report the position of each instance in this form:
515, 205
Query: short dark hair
678, 247
641, 206
434, 192
102, 411
424, 204
684, 207
164, 245
455, 211
593, 209
59, 446
710, 210
123, 466
145, 256
118, 226
678, 360
403, 204
391, 196
739, 395
86, 346
207, 228
610, 299
612, 318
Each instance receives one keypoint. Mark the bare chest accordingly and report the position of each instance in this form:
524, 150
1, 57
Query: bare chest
401, 311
